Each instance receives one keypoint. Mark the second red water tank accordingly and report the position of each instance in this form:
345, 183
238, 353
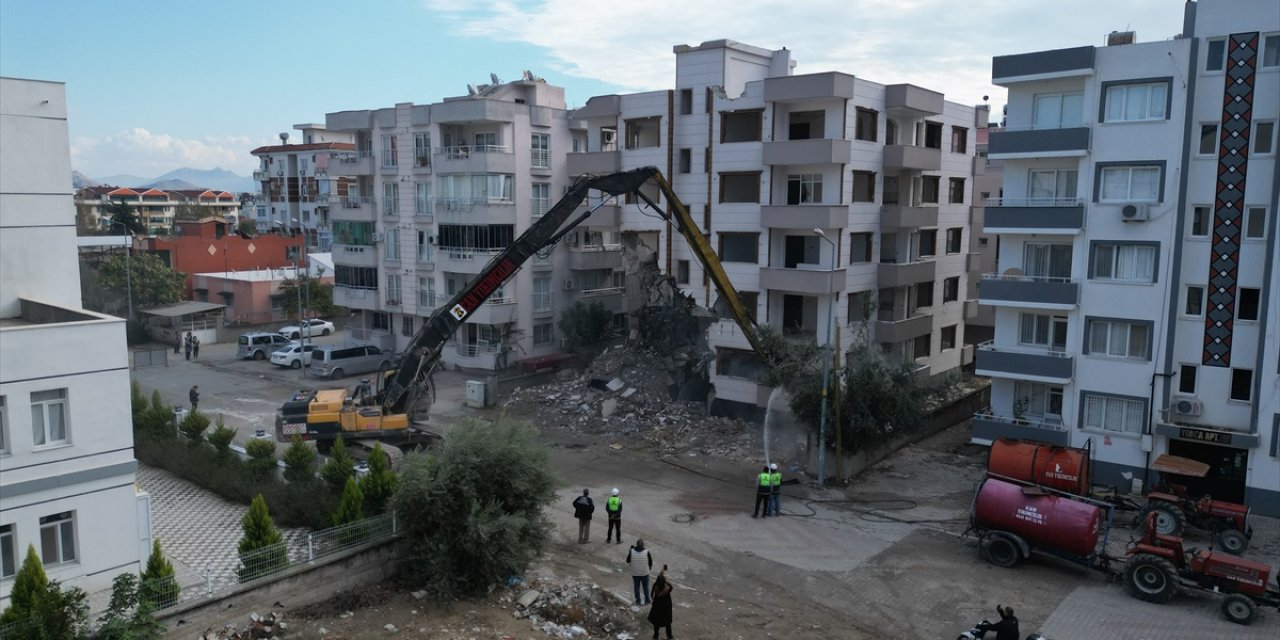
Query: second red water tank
1062, 468
1054, 522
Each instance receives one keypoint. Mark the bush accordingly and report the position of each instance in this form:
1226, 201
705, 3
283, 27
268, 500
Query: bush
137, 400
585, 326
40, 609
262, 458
339, 468
156, 421
221, 438
469, 525
299, 461
128, 616
193, 427
28, 584
262, 549
380, 483
157, 585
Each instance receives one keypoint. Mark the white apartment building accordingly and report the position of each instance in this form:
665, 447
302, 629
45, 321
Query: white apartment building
432, 193
297, 188
66, 443
156, 208
1134, 306
825, 195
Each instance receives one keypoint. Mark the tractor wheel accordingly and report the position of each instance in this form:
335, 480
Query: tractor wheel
1151, 578
1000, 551
1232, 541
1170, 521
1239, 609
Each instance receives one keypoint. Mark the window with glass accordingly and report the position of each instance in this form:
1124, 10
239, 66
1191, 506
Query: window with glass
1119, 339
426, 292
951, 289
959, 140
1255, 223
860, 248
1046, 260
389, 150
1058, 110
955, 236
1215, 54
1200, 217
49, 417
1042, 330
541, 200
391, 244
1124, 262
422, 149
8, 552
1195, 301
540, 151
541, 293
406, 325
1130, 184
391, 198
1038, 401
1208, 139
422, 199
1136, 102
544, 333
1052, 186
393, 288
864, 186
1270, 51
1241, 385
1247, 305
1187, 378
1264, 137
58, 538
929, 186
928, 242
1118, 415
740, 247
865, 125
955, 190
804, 188
486, 141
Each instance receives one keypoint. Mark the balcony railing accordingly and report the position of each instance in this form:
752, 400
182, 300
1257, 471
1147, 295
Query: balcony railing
1024, 278
606, 291
463, 151
1034, 202
476, 348
1032, 351
987, 427
1032, 422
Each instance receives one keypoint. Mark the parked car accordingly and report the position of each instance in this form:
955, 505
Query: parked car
313, 327
294, 355
259, 345
336, 361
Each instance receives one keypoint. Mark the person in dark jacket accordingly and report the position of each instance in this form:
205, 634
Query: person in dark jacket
194, 397
1006, 628
195, 347
613, 508
583, 507
660, 614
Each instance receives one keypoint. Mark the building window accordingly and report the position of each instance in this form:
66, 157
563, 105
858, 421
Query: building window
1052, 187
859, 306
391, 247
739, 247
422, 199
1187, 378
933, 135
1200, 217
924, 294
686, 102
1040, 401
426, 292
686, 160
947, 338
1118, 339
391, 198
1125, 184
1124, 262
355, 277
8, 552
1058, 110
951, 289
1264, 138
1042, 260
406, 325
1038, 330
1241, 384
955, 191
804, 188
929, 189
393, 289
1247, 304
1136, 102
954, 239
426, 246
422, 149
4, 426
1215, 55
859, 248
542, 293
920, 346
544, 333
58, 538
541, 201
1208, 139
1270, 50
864, 186
1106, 413
389, 151
49, 417
740, 187
959, 140
1255, 225
928, 243
1195, 301
865, 125
682, 272
740, 126
540, 151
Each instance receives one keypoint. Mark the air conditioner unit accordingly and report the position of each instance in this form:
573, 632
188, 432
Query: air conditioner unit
608, 136
569, 285
1187, 406
1134, 212
377, 236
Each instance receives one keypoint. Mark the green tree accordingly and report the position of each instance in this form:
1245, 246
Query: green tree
247, 227
350, 506
122, 218
40, 608
190, 212
338, 468
137, 400
129, 615
156, 421
262, 549
585, 326
193, 426
28, 585
144, 278
380, 483
221, 438
317, 296
262, 458
470, 525
158, 586
299, 462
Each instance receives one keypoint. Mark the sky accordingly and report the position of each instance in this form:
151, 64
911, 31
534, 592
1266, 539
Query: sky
155, 86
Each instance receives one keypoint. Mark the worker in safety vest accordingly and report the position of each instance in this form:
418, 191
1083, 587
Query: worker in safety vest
614, 508
764, 484
775, 488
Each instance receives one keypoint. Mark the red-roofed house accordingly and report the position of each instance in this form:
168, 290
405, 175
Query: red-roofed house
297, 190
156, 207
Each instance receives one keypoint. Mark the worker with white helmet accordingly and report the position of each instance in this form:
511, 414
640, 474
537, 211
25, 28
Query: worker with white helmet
614, 508
775, 488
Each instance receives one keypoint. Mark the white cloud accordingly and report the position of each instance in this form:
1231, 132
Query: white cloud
143, 153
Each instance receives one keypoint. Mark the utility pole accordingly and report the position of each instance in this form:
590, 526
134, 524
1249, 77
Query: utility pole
826, 359
839, 429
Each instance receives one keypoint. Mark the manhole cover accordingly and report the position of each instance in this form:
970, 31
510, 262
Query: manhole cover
683, 518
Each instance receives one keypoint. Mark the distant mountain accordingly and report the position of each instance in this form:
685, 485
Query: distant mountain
217, 178
174, 184
80, 181
123, 180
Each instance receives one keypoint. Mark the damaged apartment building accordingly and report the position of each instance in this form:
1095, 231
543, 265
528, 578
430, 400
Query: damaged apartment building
836, 204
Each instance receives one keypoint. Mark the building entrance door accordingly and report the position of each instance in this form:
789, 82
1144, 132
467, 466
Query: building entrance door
1227, 469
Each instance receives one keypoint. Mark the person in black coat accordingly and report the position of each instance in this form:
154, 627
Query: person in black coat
583, 507
1006, 628
660, 614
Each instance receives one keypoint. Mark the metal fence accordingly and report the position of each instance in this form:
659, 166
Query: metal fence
150, 358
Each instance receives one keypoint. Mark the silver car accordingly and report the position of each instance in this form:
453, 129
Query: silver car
336, 361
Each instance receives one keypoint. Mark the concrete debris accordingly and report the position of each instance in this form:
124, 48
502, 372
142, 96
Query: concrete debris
568, 610
390, 628
260, 627
527, 599
615, 384
608, 406
418, 595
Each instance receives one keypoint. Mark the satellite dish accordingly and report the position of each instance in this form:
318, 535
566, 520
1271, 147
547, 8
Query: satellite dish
986, 98
494, 78
284, 138
472, 90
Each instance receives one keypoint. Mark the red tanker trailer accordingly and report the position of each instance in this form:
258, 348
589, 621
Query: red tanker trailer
1063, 468
1012, 520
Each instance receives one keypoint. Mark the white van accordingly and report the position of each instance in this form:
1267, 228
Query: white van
336, 361
259, 345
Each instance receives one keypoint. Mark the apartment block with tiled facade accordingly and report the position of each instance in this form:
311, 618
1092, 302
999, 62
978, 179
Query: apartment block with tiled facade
1135, 306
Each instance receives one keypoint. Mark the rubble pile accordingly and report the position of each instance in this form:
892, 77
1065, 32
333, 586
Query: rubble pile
575, 610
625, 395
271, 625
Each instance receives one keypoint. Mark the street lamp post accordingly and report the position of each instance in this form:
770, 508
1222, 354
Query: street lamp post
826, 359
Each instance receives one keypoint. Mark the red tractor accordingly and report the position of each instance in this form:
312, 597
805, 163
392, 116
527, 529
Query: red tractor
1174, 509
1158, 568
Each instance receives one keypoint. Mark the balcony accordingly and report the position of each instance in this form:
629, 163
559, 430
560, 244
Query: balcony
1029, 142
261, 176
804, 216
889, 329
354, 255
483, 158
1030, 292
357, 208
901, 274
353, 298
612, 298
462, 259
815, 86
901, 156
987, 428
598, 257
352, 164
598, 162
1034, 215
1024, 363
477, 355
495, 311
892, 215
912, 100
1042, 65
808, 152
609, 215
474, 211
808, 279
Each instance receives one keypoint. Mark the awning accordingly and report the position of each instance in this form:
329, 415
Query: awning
183, 309
1166, 463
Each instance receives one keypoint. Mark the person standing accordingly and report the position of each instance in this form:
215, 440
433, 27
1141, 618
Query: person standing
583, 507
613, 508
194, 397
186, 345
177, 343
195, 347
660, 614
763, 484
641, 562
775, 488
